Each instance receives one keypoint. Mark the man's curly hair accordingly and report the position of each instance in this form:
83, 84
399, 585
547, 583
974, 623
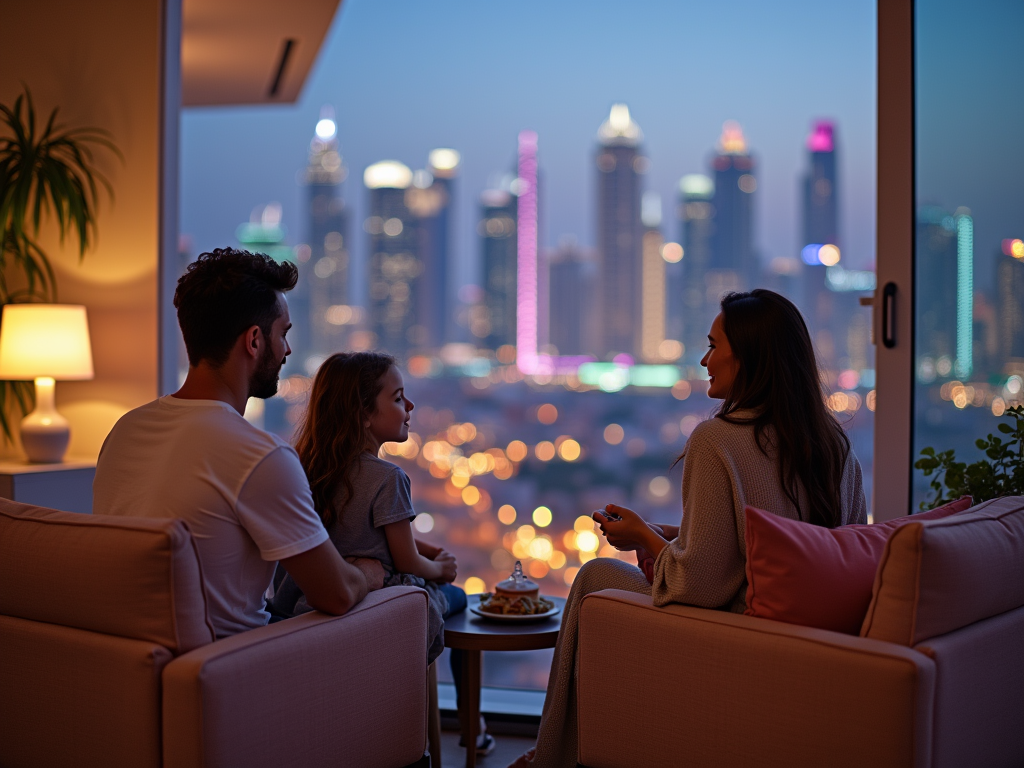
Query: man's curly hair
222, 294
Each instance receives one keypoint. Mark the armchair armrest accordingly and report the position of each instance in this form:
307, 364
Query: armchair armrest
682, 685
315, 690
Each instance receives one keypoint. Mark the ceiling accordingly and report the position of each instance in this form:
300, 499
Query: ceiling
250, 51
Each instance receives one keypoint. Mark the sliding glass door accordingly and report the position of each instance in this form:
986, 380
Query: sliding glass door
968, 223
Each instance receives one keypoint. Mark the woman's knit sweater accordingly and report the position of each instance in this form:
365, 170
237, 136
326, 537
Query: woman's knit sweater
723, 471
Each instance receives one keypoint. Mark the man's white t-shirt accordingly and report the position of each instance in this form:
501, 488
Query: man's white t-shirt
241, 490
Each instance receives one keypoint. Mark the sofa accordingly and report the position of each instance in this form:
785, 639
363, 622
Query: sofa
935, 679
108, 658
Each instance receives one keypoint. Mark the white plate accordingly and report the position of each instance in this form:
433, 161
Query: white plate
512, 617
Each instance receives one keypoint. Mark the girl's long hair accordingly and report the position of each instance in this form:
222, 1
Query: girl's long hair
333, 432
778, 380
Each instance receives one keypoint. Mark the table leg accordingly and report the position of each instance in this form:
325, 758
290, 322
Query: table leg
433, 718
469, 712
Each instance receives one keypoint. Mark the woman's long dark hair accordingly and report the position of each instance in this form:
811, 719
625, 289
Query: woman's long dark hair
778, 380
333, 432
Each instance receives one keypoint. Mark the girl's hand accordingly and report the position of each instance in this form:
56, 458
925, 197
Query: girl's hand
449, 569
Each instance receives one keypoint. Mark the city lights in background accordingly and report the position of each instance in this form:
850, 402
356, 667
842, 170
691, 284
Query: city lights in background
1014, 248
964, 293
817, 253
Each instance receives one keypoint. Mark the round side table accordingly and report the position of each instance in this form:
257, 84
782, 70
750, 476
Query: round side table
474, 635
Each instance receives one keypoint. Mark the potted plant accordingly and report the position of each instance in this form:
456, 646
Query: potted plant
1000, 473
45, 170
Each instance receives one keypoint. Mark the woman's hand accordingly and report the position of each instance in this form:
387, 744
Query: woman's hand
626, 530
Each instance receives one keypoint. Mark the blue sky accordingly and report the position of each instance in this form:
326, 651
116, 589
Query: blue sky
406, 76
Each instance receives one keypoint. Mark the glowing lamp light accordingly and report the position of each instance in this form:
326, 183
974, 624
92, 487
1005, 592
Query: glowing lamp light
45, 342
1014, 248
326, 129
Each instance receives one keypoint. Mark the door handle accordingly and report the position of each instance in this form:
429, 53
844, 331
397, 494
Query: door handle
889, 315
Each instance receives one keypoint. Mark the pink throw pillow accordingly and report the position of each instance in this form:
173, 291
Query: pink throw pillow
818, 577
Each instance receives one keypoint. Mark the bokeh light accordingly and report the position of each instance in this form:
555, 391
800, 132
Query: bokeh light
569, 450
424, 522
516, 450
544, 450
587, 541
507, 514
470, 495
613, 434
542, 517
547, 414
474, 585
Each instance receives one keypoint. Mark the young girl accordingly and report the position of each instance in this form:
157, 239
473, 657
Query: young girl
358, 403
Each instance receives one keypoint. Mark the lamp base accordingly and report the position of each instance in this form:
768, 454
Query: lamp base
44, 432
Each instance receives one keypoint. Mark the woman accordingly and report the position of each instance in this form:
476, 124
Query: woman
772, 444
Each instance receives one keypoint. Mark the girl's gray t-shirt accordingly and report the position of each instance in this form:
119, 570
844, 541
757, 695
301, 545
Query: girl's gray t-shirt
381, 495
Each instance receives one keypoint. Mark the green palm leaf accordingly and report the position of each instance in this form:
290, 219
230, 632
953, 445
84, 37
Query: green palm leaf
51, 173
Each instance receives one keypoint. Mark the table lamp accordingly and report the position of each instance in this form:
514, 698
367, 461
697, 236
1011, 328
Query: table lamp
44, 342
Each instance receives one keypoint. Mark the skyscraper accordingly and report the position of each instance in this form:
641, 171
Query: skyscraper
936, 267
652, 281
497, 230
572, 274
328, 256
697, 222
1010, 287
820, 222
619, 231
732, 239
430, 200
394, 269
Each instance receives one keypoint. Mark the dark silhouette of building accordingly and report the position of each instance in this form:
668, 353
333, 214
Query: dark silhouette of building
820, 224
572, 274
326, 264
935, 263
394, 268
695, 307
619, 232
497, 230
1010, 288
430, 200
732, 239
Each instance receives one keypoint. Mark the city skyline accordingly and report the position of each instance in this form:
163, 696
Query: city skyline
383, 112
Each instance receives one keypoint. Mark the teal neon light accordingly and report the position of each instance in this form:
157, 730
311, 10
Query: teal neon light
611, 377
964, 296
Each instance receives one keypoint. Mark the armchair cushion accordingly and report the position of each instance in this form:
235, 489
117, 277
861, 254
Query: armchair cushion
818, 577
939, 575
132, 577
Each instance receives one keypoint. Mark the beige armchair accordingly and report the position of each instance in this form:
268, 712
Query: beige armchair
935, 681
107, 658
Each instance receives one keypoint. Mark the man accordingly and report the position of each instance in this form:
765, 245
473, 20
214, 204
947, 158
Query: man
192, 456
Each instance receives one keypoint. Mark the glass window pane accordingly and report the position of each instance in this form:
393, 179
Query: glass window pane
538, 208
970, 224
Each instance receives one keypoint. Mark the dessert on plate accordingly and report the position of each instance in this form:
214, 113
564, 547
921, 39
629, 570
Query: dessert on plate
515, 596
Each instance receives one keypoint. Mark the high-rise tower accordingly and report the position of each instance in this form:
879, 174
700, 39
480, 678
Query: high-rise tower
732, 238
935, 262
394, 269
619, 231
820, 221
572, 274
497, 230
697, 222
327, 273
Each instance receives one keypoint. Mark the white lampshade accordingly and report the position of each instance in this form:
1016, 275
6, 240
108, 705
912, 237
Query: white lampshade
45, 340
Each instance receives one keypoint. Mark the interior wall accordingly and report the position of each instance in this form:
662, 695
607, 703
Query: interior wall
101, 63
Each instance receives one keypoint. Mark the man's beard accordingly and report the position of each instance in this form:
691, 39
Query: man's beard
263, 383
